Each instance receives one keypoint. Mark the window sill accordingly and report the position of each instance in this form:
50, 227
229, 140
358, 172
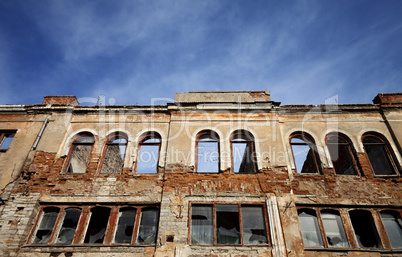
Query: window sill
346, 249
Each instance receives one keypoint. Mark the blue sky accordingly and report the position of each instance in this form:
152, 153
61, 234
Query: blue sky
304, 51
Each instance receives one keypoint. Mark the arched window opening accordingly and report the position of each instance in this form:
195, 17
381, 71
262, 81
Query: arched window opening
207, 146
342, 154
304, 153
243, 152
114, 154
148, 157
79, 154
379, 154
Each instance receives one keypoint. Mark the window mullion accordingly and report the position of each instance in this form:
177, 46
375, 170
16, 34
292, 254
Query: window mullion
136, 225
82, 225
111, 225
214, 221
241, 224
56, 226
321, 225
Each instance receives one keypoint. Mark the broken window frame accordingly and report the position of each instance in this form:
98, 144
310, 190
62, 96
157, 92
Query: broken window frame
241, 228
109, 143
349, 151
308, 141
74, 144
249, 140
83, 224
4, 136
383, 239
143, 142
388, 150
215, 139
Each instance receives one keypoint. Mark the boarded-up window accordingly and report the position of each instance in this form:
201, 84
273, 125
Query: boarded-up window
79, 154
304, 154
114, 156
148, 157
208, 152
342, 155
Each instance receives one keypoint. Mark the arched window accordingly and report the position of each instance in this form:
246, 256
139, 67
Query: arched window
342, 154
207, 152
243, 152
148, 157
380, 154
114, 154
304, 153
79, 153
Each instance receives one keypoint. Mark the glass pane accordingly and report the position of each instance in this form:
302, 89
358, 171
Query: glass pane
393, 224
97, 225
49, 216
310, 229
208, 157
125, 227
242, 157
113, 162
254, 231
85, 139
148, 159
227, 224
334, 230
148, 227
79, 159
365, 231
7, 141
118, 140
342, 159
379, 159
202, 224
151, 140
68, 227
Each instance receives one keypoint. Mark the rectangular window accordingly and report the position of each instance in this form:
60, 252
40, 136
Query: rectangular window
108, 225
5, 140
228, 224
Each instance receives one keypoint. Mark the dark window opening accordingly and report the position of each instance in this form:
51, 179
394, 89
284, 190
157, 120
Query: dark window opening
97, 225
114, 156
5, 140
380, 156
393, 225
45, 229
148, 157
342, 155
364, 228
79, 155
208, 152
243, 154
69, 226
125, 227
304, 154
213, 224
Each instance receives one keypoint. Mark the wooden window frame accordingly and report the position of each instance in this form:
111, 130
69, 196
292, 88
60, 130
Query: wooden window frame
107, 144
384, 241
214, 136
83, 222
3, 135
350, 149
309, 141
244, 134
265, 214
143, 138
390, 154
73, 144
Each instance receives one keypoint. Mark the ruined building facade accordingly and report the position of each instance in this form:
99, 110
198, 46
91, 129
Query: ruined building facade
211, 174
